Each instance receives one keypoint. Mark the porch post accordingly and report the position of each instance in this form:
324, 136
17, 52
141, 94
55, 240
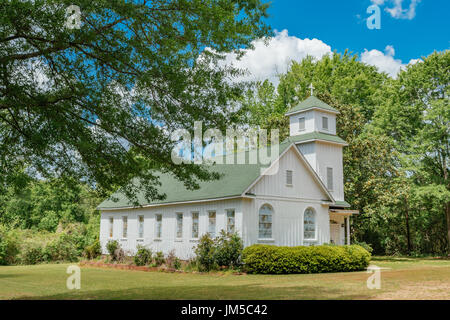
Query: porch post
348, 229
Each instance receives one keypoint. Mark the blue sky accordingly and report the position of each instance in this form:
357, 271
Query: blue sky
410, 30
342, 24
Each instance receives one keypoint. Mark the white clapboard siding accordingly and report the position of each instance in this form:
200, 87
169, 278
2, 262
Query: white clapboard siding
330, 156
169, 241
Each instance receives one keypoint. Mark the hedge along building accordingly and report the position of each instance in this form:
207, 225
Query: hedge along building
298, 200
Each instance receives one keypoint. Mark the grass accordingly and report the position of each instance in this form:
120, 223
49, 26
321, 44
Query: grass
403, 278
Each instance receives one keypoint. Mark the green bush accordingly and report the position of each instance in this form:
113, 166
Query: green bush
143, 256
365, 245
32, 255
112, 246
159, 259
61, 249
223, 251
9, 247
205, 253
228, 250
268, 259
94, 250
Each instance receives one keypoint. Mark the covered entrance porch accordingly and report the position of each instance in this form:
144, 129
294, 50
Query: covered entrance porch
340, 225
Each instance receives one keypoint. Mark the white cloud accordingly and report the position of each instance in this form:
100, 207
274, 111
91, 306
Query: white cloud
397, 11
267, 61
385, 62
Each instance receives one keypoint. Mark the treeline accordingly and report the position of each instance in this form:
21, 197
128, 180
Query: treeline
396, 166
47, 220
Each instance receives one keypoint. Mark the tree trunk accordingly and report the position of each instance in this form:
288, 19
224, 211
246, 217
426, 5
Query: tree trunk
408, 234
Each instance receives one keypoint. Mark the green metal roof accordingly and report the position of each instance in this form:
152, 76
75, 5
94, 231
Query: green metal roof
316, 136
344, 204
235, 179
311, 102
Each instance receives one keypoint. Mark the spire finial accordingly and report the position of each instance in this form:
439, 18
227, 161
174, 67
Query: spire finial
312, 88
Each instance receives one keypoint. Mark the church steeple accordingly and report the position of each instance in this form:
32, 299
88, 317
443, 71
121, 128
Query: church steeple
312, 115
313, 130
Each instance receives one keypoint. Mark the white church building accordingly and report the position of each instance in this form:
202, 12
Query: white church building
300, 203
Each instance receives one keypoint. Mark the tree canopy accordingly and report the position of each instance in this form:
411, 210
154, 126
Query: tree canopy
98, 103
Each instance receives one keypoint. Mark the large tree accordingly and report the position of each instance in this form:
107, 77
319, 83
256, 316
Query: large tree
415, 113
99, 103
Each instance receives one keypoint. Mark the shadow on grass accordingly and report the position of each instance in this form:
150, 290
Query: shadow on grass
241, 292
407, 258
395, 259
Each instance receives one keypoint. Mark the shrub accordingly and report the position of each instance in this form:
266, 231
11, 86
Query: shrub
228, 250
143, 256
172, 260
9, 247
159, 259
112, 246
365, 245
205, 252
33, 255
94, 250
61, 249
268, 259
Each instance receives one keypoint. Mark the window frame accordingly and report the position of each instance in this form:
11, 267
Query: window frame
124, 227
291, 176
268, 238
215, 223
325, 120
111, 227
158, 223
197, 219
303, 122
330, 182
141, 224
314, 212
177, 214
234, 220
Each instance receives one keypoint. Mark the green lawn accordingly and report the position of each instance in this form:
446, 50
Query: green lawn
405, 279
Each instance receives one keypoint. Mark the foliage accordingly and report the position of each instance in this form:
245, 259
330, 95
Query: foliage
414, 112
172, 260
159, 258
366, 246
268, 259
44, 205
143, 256
205, 253
62, 249
130, 67
223, 251
112, 246
9, 247
94, 250
32, 255
228, 249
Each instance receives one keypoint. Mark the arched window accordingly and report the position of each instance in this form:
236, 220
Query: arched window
265, 222
309, 224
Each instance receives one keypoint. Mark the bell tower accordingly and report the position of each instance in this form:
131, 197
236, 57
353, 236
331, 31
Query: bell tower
313, 129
